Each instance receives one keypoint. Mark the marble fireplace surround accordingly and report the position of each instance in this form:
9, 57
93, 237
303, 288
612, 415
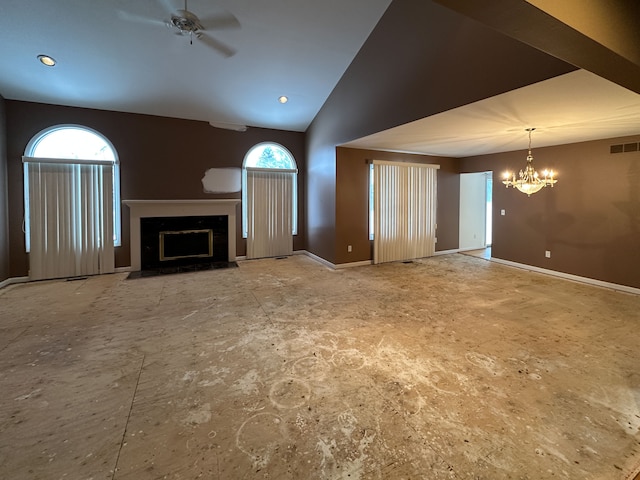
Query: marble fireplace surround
178, 208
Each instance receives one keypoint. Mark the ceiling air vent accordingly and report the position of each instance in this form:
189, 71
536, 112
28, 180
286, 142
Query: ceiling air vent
625, 147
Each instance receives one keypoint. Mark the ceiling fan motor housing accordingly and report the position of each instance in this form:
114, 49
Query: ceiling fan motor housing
186, 22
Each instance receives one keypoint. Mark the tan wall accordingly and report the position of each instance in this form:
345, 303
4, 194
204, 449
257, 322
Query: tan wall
590, 221
160, 158
352, 200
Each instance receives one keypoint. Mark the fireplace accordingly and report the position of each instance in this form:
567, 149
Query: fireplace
192, 232
167, 242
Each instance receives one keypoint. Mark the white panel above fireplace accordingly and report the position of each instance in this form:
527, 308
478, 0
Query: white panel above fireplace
178, 208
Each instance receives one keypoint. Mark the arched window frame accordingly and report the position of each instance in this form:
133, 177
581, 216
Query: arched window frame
293, 166
30, 152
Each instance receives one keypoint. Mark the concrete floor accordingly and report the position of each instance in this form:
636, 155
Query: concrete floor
451, 367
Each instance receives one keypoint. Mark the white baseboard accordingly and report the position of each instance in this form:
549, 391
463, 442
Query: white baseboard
353, 264
446, 252
333, 266
569, 276
240, 258
12, 280
522, 266
318, 259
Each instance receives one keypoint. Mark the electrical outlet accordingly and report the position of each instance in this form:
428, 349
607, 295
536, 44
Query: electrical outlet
547, 253
503, 212
348, 248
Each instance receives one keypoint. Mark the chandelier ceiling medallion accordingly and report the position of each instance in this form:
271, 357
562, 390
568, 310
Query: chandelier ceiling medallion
529, 180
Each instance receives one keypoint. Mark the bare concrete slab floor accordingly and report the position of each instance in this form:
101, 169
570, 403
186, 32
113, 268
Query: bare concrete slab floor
450, 367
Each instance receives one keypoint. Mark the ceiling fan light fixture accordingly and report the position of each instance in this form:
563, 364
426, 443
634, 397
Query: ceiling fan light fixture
47, 60
529, 181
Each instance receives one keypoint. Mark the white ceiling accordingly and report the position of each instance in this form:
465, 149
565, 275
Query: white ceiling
108, 58
571, 108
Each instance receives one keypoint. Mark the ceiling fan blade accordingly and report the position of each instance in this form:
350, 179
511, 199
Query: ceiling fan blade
131, 17
168, 6
217, 45
221, 21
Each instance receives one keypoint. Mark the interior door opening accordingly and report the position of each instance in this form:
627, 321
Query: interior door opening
475, 211
489, 201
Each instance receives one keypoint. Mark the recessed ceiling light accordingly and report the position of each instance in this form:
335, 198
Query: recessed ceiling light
283, 99
46, 60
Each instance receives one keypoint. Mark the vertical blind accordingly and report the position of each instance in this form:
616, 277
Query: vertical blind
71, 218
269, 212
404, 210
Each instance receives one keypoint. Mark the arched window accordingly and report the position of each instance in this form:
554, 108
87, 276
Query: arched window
269, 156
77, 144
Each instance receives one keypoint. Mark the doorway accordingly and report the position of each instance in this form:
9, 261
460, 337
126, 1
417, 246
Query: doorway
476, 191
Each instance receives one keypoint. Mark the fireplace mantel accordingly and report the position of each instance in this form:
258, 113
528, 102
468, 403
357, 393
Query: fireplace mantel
178, 208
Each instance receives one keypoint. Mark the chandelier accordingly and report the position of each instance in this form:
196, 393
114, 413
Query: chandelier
529, 180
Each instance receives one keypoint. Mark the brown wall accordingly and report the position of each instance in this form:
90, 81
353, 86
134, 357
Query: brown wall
160, 158
612, 24
600, 36
352, 200
421, 59
590, 221
4, 198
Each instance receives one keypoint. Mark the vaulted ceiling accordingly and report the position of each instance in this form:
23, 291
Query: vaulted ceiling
120, 55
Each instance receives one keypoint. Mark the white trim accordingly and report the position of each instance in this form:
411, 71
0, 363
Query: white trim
471, 249
67, 161
569, 276
327, 263
295, 252
406, 164
123, 269
279, 170
362, 263
12, 280
447, 252
315, 257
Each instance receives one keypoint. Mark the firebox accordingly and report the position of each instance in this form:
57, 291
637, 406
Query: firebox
168, 242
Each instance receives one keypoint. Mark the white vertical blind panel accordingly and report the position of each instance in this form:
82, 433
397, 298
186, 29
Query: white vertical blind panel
69, 207
404, 210
106, 258
269, 213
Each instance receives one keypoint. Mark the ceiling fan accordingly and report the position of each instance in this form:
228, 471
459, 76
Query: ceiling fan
186, 23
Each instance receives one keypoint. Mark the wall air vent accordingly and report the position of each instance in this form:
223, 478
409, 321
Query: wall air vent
625, 147
616, 149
